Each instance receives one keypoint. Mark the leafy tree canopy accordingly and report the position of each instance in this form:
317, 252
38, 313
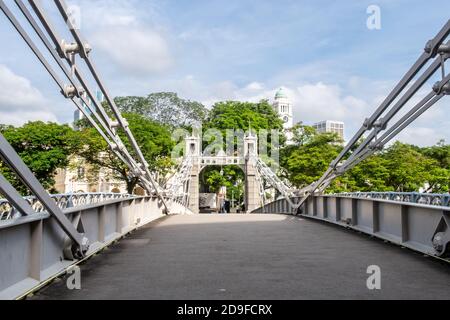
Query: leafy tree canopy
166, 108
235, 115
400, 167
307, 160
410, 170
44, 147
440, 152
242, 115
153, 138
231, 177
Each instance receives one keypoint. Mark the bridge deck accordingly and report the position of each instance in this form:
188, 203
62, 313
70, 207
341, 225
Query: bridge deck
252, 257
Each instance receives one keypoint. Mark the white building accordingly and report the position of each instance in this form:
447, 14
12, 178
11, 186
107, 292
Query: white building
79, 177
283, 106
331, 126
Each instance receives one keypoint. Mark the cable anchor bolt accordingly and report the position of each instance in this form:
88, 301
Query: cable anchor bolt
70, 92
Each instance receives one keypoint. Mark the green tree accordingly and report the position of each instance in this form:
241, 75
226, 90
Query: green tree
370, 175
44, 147
400, 167
243, 115
307, 160
166, 108
235, 115
4, 127
232, 177
440, 152
153, 138
410, 170
303, 134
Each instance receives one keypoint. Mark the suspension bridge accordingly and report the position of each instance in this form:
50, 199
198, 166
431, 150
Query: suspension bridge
304, 245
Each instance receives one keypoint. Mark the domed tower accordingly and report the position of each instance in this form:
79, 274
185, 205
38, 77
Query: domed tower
283, 106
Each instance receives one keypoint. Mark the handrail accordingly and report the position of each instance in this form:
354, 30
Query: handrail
63, 201
432, 199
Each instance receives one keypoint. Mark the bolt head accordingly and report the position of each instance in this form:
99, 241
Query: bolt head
429, 46
438, 241
437, 87
446, 88
87, 48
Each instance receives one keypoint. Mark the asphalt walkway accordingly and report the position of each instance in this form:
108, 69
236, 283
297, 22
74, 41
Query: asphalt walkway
253, 257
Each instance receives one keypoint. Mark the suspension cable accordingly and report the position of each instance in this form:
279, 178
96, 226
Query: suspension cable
78, 90
377, 124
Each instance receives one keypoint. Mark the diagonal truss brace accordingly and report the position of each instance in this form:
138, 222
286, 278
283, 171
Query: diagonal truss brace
177, 188
20, 206
78, 90
13, 160
270, 177
377, 125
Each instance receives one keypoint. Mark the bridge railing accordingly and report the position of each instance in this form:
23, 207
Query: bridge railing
421, 227
432, 199
34, 249
63, 201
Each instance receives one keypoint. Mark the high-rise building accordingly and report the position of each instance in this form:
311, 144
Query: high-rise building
331, 126
283, 106
78, 115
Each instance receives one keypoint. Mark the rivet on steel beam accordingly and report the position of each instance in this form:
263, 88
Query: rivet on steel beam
440, 88
429, 47
68, 48
69, 91
376, 146
74, 48
446, 89
380, 124
87, 49
438, 242
444, 48
367, 124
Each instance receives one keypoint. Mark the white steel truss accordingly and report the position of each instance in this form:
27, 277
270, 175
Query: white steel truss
177, 188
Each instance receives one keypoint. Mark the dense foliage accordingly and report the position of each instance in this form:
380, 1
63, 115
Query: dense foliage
400, 167
166, 108
235, 115
231, 177
44, 147
153, 138
243, 115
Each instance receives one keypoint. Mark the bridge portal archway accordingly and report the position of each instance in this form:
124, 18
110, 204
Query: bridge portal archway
228, 186
252, 194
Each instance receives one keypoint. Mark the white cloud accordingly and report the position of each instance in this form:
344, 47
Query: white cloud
314, 102
19, 118
20, 101
137, 51
255, 86
129, 37
16, 92
102, 13
421, 136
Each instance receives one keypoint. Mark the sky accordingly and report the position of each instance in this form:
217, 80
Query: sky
322, 52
